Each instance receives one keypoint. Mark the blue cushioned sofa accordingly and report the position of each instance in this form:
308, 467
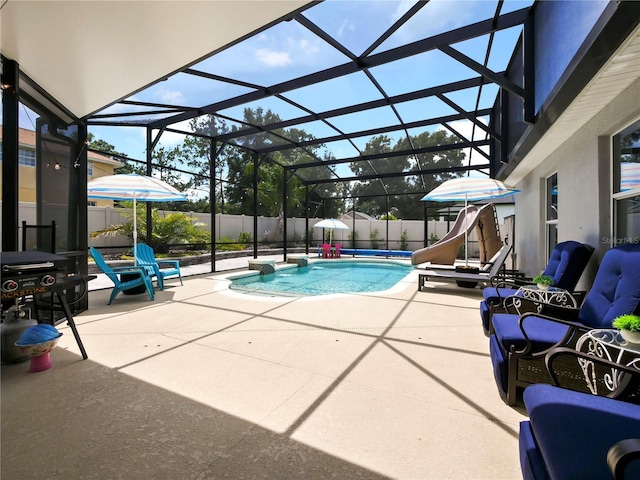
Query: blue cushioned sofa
566, 264
519, 345
573, 435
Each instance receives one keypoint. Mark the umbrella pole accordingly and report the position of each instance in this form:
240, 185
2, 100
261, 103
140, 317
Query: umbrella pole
135, 231
466, 240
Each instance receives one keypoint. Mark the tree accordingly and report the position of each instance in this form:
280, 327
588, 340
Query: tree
109, 150
402, 193
240, 171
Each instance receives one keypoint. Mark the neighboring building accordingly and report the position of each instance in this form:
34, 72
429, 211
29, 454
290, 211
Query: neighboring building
97, 166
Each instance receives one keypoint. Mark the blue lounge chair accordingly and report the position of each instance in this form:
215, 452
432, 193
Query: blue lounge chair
138, 276
571, 435
566, 264
519, 343
160, 269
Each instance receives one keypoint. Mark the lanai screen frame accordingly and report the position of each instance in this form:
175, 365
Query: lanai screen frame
163, 117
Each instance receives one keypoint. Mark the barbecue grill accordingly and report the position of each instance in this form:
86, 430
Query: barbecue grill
41, 276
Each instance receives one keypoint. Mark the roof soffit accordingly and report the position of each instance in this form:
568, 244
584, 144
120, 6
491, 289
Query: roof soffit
89, 54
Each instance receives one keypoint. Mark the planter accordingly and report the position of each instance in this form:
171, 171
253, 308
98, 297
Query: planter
630, 336
542, 286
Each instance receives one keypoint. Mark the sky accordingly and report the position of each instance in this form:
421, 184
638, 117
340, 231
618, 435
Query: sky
288, 50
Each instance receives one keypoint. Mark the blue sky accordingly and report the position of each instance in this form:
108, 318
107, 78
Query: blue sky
288, 50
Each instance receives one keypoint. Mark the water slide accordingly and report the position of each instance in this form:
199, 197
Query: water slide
444, 251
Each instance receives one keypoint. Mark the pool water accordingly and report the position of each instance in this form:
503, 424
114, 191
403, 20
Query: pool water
322, 278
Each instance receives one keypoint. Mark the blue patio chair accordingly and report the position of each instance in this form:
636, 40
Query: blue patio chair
566, 264
160, 269
571, 435
519, 344
137, 276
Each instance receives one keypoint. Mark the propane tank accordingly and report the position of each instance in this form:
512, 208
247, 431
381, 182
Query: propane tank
15, 320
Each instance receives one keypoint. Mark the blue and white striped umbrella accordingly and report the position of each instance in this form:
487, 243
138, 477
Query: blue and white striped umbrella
134, 187
468, 188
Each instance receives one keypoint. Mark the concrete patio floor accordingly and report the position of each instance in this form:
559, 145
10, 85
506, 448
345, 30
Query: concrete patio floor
206, 383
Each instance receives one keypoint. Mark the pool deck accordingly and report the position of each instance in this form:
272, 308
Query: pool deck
206, 383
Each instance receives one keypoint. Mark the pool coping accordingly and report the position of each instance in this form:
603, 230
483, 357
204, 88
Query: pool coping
227, 279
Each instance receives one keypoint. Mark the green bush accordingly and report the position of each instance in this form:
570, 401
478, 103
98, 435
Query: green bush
375, 240
227, 244
174, 228
245, 237
403, 240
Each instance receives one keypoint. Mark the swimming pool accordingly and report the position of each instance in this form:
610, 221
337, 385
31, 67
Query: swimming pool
322, 278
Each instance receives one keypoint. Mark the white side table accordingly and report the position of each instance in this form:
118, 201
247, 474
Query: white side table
550, 296
607, 343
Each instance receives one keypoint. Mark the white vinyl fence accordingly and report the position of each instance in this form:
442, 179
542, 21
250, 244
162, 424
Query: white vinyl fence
270, 229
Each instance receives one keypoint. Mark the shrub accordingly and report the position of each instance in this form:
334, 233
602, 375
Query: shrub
175, 228
245, 237
227, 244
375, 241
403, 240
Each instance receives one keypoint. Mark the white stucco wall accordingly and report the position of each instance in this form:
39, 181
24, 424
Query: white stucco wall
583, 165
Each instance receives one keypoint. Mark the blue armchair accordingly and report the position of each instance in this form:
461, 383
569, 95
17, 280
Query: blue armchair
566, 264
573, 435
160, 269
138, 276
518, 345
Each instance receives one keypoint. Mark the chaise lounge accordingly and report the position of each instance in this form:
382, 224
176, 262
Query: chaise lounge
449, 276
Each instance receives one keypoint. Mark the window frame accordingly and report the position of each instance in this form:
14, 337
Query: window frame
618, 195
550, 222
22, 157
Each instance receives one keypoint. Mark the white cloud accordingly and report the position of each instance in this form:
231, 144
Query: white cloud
272, 58
307, 47
345, 26
171, 96
171, 139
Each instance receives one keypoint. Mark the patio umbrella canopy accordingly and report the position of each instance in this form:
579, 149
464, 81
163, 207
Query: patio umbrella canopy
468, 188
331, 224
133, 187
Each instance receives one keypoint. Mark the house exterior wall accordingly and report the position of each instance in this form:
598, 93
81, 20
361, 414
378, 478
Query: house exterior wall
583, 165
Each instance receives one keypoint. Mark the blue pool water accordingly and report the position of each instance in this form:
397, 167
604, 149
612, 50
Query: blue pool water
321, 278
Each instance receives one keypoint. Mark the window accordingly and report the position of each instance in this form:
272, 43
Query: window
626, 185
89, 169
26, 157
551, 220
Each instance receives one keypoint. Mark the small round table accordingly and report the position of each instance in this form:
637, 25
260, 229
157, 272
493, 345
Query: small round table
549, 296
607, 343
